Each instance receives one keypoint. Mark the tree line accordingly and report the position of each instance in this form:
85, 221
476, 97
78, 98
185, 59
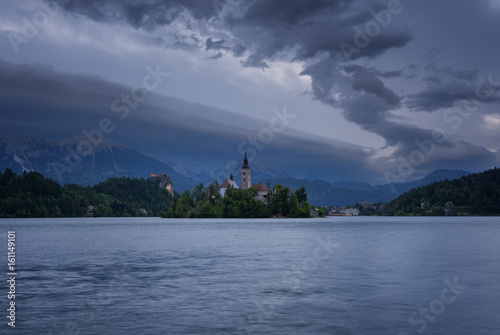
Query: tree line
206, 202
474, 194
33, 195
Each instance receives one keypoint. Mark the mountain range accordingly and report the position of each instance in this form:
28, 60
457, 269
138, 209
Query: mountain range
70, 161
321, 192
60, 161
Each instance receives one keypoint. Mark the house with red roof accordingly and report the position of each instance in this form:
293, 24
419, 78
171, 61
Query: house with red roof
224, 186
262, 193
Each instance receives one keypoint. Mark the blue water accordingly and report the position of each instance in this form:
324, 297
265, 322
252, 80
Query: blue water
341, 275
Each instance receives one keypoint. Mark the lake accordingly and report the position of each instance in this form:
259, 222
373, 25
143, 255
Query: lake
338, 275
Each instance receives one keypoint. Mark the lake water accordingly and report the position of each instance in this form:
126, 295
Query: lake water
340, 275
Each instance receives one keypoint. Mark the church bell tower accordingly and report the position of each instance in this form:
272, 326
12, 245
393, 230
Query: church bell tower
246, 180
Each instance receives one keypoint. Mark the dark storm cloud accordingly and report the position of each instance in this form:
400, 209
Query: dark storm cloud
262, 31
215, 45
265, 29
364, 99
447, 87
216, 56
268, 28
308, 27
388, 74
467, 75
38, 101
254, 62
364, 80
238, 50
359, 93
140, 14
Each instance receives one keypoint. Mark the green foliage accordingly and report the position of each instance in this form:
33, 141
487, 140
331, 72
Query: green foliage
301, 194
475, 194
205, 202
304, 210
321, 212
280, 201
33, 195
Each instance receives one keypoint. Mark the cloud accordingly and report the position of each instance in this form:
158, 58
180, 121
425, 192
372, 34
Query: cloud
364, 99
38, 101
311, 33
263, 28
215, 45
492, 121
364, 80
140, 14
388, 74
216, 56
495, 4
447, 87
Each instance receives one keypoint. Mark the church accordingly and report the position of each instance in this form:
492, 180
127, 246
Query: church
246, 182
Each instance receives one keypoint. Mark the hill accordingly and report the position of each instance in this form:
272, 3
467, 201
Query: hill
474, 194
346, 193
33, 195
322, 193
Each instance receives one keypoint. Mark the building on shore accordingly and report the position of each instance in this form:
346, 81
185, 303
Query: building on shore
228, 182
352, 212
262, 193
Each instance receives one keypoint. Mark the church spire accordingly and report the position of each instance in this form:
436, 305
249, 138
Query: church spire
246, 178
245, 162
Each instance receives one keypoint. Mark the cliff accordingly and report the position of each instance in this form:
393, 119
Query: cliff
163, 182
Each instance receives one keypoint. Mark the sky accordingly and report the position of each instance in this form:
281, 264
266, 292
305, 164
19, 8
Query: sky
375, 91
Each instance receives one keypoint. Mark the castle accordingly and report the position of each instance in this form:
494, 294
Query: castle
163, 182
246, 183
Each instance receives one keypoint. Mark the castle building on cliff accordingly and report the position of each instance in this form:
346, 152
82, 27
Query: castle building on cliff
163, 181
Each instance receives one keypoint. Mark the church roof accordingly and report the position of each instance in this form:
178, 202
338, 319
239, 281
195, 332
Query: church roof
261, 188
228, 182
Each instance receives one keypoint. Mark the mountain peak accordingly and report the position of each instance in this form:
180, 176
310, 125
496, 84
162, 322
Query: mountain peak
442, 174
98, 142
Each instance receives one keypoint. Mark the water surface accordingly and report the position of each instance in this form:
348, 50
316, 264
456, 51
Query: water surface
340, 275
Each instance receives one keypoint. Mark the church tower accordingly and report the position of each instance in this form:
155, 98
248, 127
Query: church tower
246, 180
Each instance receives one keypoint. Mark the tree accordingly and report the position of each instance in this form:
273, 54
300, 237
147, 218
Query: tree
321, 212
280, 201
198, 193
294, 206
301, 194
184, 205
305, 210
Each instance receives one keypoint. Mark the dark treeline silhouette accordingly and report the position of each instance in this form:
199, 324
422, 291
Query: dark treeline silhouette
33, 195
474, 194
206, 202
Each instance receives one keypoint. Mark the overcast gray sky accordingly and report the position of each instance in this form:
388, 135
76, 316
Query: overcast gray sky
360, 90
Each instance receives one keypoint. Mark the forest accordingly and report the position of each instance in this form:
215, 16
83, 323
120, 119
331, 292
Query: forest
33, 195
474, 194
206, 202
